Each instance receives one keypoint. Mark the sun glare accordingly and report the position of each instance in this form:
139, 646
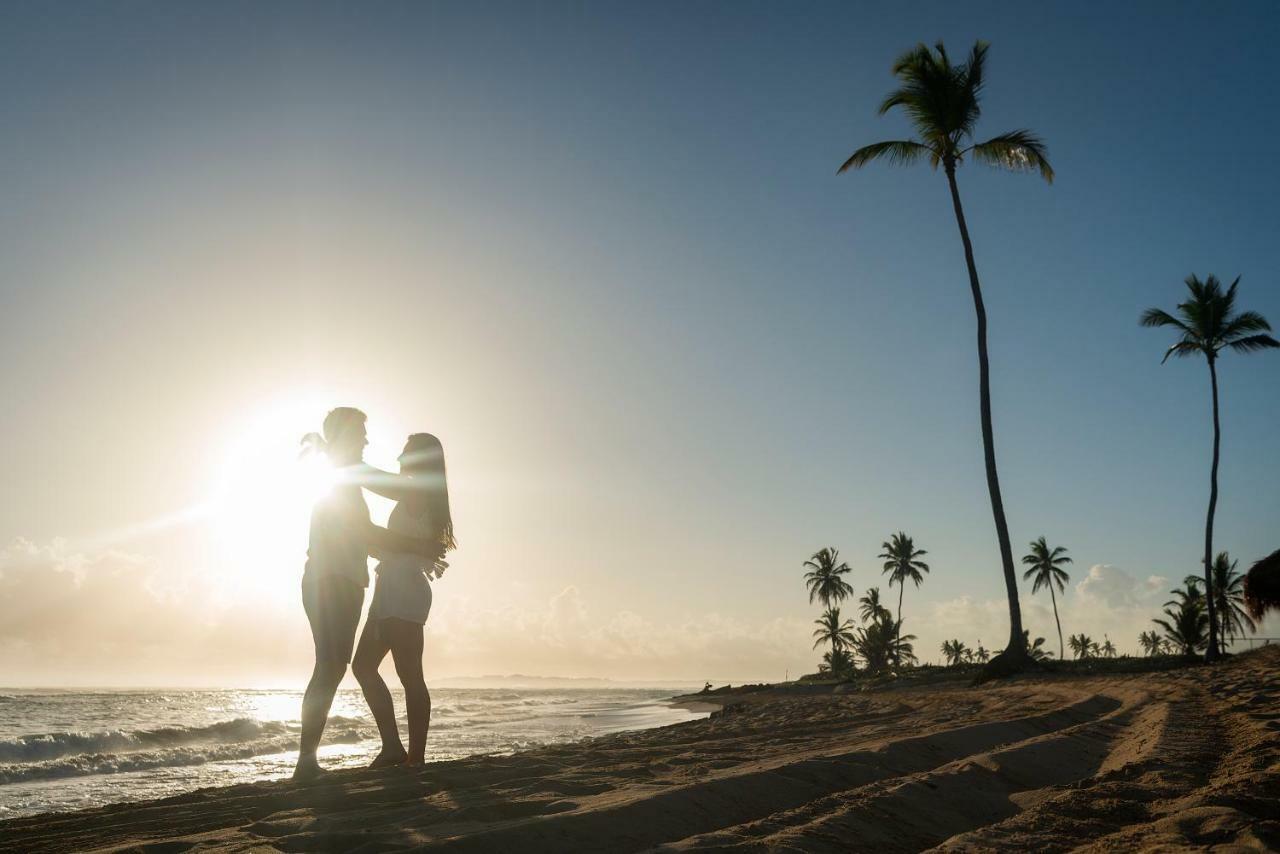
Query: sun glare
265, 490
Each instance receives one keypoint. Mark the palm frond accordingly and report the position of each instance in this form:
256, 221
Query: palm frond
1182, 349
1252, 343
1160, 317
1245, 321
1018, 151
899, 152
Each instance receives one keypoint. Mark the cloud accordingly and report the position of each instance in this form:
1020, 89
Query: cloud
1107, 602
111, 618
114, 618
567, 637
1111, 587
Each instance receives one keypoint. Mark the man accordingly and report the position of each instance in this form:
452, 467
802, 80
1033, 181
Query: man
337, 574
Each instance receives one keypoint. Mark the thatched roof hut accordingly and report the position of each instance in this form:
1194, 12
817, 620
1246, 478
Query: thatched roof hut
1262, 586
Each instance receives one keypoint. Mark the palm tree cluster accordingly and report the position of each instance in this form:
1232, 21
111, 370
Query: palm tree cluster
955, 652
1186, 624
878, 644
942, 101
1083, 646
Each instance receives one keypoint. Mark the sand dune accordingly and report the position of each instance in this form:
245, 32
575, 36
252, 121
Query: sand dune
1184, 759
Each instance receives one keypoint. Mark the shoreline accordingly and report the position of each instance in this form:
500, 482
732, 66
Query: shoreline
1181, 758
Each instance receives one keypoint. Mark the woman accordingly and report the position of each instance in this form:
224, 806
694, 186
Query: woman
402, 597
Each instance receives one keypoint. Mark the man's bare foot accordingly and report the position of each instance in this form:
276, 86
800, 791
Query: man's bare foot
389, 757
307, 769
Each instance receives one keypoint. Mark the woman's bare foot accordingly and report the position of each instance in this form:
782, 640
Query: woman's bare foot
389, 757
307, 769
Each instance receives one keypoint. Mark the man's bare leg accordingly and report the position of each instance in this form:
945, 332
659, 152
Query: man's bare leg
316, 702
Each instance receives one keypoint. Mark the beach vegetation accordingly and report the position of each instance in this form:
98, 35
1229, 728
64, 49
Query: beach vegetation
1228, 595
1045, 567
870, 607
882, 647
902, 563
1207, 323
834, 631
956, 653
825, 578
1035, 649
1151, 643
1082, 646
1186, 622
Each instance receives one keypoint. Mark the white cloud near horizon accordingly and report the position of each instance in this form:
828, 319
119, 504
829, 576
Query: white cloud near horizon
1107, 601
114, 619
117, 619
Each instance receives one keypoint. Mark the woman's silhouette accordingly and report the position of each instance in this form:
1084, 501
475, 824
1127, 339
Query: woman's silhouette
402, 596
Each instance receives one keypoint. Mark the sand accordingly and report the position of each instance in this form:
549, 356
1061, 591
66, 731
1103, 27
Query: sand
1159, 761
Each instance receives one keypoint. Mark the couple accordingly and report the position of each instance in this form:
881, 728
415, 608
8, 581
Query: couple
410, 550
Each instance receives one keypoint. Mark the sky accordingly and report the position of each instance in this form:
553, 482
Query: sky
602, 251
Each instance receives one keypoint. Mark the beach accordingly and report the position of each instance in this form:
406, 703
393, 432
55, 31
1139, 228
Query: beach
1185, 758
64, 750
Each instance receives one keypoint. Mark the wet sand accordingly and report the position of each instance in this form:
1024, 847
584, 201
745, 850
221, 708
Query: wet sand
1168, 761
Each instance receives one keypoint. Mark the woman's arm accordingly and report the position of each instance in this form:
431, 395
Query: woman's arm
397, 487
382, 542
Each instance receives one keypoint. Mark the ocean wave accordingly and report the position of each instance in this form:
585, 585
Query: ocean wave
115, 763
47, 746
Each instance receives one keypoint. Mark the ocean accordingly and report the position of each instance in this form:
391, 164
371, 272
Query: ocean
67, 750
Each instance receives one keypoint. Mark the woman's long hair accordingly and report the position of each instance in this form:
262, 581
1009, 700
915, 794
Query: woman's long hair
423, 458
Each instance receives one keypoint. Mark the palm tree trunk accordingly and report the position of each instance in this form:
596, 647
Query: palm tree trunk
1015, 648
1212, 654
897, 633
1062, 653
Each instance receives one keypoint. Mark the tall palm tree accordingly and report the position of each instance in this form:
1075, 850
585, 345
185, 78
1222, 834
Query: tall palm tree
831, 629
942, 102
1108, 648
869, 606
1228, 600
1046, 569
1207, 323
901, 561
824, 578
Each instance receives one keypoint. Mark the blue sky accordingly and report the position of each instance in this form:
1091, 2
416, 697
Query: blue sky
602, 250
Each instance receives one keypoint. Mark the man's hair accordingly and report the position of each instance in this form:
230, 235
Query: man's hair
340, 420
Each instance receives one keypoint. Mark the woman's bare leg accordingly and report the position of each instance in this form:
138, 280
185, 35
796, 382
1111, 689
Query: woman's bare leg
369, 654
405, 639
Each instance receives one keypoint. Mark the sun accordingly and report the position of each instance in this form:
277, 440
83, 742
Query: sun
264, 490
